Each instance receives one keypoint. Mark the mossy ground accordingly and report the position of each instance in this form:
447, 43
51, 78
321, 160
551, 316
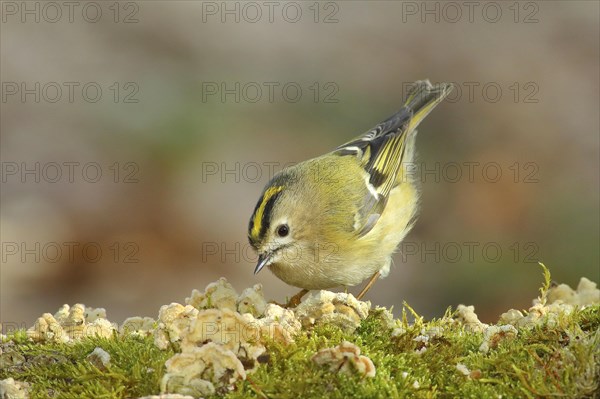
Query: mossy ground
545, 361
542, 362
557, 357
63, 371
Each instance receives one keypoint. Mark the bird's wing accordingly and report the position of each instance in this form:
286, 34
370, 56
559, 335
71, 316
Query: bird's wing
381, 150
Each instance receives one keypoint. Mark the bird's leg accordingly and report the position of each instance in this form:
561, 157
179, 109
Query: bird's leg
368, 286
295, 300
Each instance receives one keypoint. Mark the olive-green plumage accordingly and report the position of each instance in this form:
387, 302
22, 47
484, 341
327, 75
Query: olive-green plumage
337, 219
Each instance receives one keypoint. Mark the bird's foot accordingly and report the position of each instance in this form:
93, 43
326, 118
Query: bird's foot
293, 302
296, 299
369, 285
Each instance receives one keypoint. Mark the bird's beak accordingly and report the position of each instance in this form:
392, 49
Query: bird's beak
263, 260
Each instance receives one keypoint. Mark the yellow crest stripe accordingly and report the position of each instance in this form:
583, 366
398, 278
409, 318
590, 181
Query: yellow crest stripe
258, 215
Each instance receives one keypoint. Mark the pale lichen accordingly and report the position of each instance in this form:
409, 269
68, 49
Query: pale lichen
398, 331
339, 309
557, 302
466, 316
425, 337
230, 330
252, 300
511, 316
138, 326
217, 295
493, 335
386, 316
209, 326
345, 358
279, 324
71, 323
470, 374
11, 389
99, 358
46, 328
92, 314
586, 294
464, 370
173, 323
201, 371
100, 328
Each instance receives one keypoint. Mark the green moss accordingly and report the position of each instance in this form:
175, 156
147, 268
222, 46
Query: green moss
558, 357
541, 362
62, 370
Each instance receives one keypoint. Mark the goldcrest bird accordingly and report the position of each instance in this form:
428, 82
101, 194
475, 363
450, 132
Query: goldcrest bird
337, 219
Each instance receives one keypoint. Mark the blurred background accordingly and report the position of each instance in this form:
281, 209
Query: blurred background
136, 138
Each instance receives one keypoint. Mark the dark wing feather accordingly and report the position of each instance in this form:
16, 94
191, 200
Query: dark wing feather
381, 150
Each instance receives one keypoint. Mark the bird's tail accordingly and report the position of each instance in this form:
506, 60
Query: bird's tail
422, 98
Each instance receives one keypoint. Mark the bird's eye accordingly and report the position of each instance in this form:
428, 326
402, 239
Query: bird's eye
283, 230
